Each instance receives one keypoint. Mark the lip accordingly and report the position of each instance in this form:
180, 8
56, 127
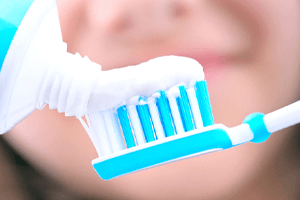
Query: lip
211, 62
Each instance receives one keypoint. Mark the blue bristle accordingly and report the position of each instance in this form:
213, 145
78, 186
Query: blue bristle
204, 103
145, 118
164, 109
124, 121
183, 103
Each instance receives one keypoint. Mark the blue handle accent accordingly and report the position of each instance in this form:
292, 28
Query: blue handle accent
258, 127
160, 153
12, 13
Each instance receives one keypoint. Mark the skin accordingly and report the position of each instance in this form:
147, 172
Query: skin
256, 47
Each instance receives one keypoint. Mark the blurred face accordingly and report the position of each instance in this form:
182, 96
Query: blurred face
250, 53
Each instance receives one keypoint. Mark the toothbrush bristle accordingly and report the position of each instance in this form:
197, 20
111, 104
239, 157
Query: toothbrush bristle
145, 120
204, 103
136, 124
184, 105
126, 128
166, 117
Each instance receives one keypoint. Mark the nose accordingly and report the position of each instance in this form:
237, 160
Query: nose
151, 19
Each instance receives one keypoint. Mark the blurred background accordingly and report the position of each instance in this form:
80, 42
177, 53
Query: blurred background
249, 51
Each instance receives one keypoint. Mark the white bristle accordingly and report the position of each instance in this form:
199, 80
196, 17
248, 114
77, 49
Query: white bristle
172, 94
194, 107
91, 134
113, 130
155, 118
100, 129
136, 124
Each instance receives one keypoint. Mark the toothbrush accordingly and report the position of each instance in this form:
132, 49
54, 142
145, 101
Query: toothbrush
169, 126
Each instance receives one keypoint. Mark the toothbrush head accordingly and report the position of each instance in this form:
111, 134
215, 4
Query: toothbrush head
149, 131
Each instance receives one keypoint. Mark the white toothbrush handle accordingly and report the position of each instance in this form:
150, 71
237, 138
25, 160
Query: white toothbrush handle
283, 118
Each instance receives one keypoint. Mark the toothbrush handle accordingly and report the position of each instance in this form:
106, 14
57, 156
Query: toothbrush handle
283, 118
